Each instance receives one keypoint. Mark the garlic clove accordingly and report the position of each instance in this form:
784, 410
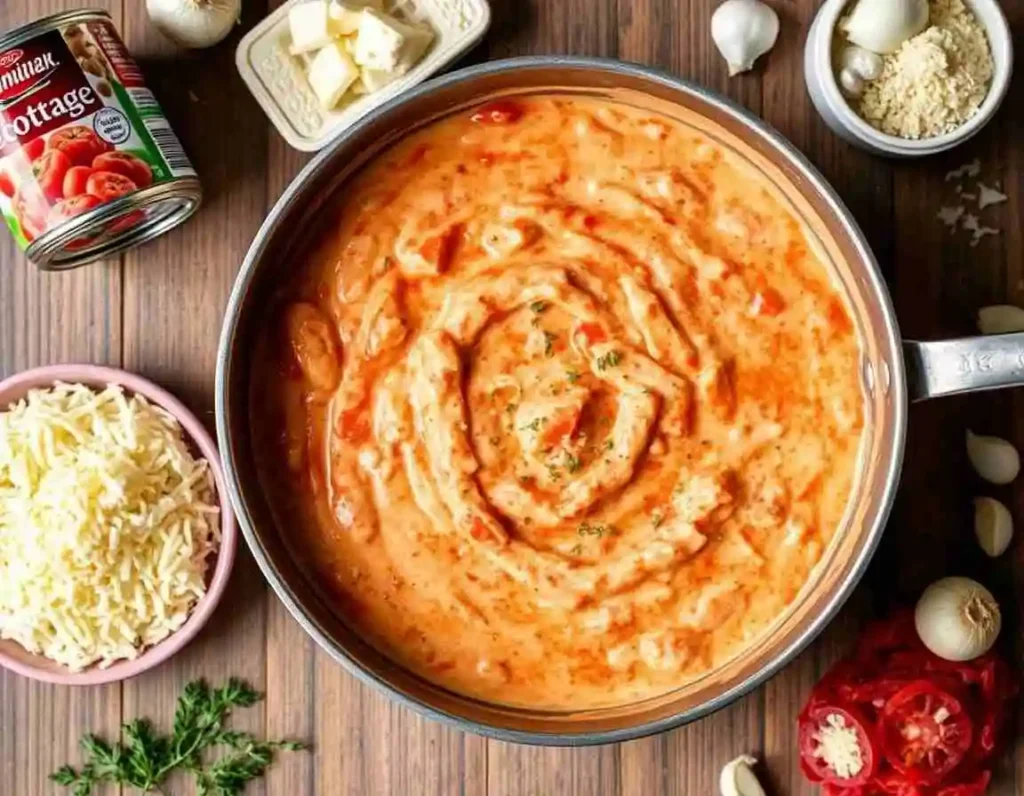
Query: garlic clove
738, 778
851, 83
958, 619
881, 26
1000, 319
993, 458
743, 31
863, 63
993, 525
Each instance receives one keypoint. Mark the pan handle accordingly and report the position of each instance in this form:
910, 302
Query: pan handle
969, 364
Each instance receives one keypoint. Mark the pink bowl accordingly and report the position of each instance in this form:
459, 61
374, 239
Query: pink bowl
15, 657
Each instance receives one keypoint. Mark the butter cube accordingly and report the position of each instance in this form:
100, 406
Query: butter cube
345, 18
331, 73
310, 26
379, 41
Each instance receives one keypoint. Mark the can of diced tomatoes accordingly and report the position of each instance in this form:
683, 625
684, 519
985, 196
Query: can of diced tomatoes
88, 163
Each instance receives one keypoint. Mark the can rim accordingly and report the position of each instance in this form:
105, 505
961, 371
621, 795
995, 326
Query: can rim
46, 250
46, 24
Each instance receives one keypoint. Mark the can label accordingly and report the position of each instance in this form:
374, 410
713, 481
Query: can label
78, 128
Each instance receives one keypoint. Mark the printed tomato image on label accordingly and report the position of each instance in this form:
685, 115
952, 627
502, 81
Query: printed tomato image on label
86, 154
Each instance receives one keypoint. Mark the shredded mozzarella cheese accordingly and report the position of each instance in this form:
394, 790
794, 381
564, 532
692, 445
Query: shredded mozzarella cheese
106, 524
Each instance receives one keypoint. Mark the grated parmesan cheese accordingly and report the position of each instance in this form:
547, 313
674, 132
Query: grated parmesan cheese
936, 80
106, 525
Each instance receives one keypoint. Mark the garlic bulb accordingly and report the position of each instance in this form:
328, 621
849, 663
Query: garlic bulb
1000, 318
743, 31
851, 83
881, 26
738, 778
993, 525
958, 619
863, 63
994, 459
194, 23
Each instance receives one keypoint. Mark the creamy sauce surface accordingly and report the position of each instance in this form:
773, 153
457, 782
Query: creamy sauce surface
562, 408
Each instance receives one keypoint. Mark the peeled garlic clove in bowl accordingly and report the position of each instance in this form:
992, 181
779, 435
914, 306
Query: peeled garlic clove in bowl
993, 525
863, 63
881, 26
993, 458
743, 31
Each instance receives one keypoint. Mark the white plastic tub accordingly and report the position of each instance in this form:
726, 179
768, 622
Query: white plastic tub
279, 85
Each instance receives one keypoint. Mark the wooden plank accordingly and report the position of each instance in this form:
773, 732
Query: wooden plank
47, 318
175, 290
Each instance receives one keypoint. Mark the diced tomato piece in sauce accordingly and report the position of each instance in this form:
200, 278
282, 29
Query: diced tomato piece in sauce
768, 302
498, 112
593, 332
353, 425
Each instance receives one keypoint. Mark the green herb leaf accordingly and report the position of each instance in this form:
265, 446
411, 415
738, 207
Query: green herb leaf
609, 360
573, 376
572, 463
549, 343
145, 759
538, 306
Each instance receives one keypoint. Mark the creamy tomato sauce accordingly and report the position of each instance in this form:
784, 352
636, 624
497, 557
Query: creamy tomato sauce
569, 408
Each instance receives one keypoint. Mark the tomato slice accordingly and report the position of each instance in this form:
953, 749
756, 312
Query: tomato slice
974, 787
925, 731
825, 727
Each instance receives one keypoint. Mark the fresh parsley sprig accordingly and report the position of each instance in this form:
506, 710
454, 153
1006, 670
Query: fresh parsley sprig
144, 759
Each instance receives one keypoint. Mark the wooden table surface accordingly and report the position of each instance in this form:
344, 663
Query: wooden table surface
157, 310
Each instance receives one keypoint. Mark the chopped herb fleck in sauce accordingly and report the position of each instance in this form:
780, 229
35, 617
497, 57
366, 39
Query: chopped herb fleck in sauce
609, 360
533, 425
572, 463
573, 376
538, 306
586, 529
549, 343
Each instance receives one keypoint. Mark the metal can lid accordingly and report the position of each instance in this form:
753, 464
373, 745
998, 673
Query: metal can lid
116, 226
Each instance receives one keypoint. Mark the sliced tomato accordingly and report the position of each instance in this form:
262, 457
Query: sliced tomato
498, 112
34, 148
925, 731
134, 168
976, 786
78, 143
846, 725
49, 170
894, 783
106, 185
75, 181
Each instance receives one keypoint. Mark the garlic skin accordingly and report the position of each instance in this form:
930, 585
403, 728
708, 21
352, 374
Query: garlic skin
1000, 319
743, 31
958, 619
993, 525
993, 458
194, 23
738, 778
863, 63
851, 83
881, 26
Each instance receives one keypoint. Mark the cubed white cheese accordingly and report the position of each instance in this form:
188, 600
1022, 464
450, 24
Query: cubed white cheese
331, 74
417, 39
345, 18
310, 26
379, 41
375, 79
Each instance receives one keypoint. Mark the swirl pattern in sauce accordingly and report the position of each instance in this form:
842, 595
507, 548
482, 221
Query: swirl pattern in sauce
571, 408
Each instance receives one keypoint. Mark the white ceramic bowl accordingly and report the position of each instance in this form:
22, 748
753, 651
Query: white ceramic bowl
844, 121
